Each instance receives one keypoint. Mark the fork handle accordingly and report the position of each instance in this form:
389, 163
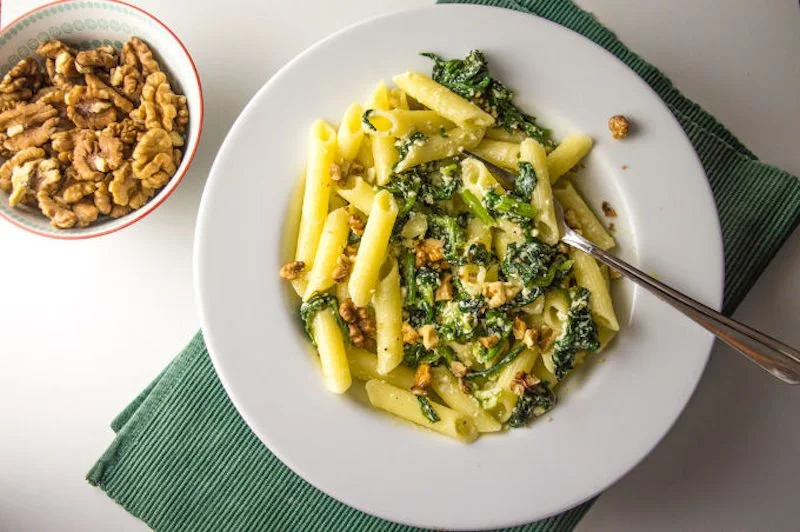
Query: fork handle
779, 359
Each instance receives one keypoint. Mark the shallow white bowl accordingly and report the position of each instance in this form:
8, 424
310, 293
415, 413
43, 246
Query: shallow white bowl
612, 412
88, 24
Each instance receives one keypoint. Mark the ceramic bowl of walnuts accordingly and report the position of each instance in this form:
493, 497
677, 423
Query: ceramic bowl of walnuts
100, 116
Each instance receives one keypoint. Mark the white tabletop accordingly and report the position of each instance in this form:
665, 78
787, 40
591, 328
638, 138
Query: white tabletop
87, 324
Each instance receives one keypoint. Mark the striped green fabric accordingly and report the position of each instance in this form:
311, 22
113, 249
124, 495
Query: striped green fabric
183, 459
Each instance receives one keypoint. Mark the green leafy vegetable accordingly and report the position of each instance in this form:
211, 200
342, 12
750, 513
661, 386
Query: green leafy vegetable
365, 119
405, 187
447, 229
427, 409
509, 207
478, 254
404, 145
536, 401
469, 77
458, 320
579, 334
525, 182
494, 370
477, 208
527, 261
316, 303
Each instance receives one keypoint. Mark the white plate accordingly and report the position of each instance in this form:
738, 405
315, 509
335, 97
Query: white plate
614, 411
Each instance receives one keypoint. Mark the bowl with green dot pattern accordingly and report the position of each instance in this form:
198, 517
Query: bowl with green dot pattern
85, 24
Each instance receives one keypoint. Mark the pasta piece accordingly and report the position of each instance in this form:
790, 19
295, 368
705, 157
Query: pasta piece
479, 233
588, 223
372, 250
350, 133
404, 404
358, 193
545, 217
364, 157
588, 275
499, 133
503, 154
447, 387
507, 399
332, 355
567, 154
388, 304
604, 336
398, 99
321, 152
364, 366
384, 154
379, 99
556, 307
477, 179
543, 373
400, 123
506, 233
331, 245
444, 101
438, 147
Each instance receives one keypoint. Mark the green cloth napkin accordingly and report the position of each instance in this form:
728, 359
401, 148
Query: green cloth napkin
183, 459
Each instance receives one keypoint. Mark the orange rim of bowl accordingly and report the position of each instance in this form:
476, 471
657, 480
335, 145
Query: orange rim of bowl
174, 182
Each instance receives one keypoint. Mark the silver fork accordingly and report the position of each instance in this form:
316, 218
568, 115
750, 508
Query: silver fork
779, 359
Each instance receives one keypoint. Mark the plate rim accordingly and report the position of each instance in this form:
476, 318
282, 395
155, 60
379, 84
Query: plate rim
203, 218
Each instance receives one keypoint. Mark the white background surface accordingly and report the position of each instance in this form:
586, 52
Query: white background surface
85, 325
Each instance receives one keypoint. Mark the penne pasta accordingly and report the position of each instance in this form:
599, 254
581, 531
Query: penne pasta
401, 123
506, 399
503, 154
357, 193
350, 133
332, 355
567, 154
534, 153
439, 147
588, 223
588, 275
388, 305
364, 367
445, 102
447, 387
499, 133
331, 245
321, 152
404, 404
371, 252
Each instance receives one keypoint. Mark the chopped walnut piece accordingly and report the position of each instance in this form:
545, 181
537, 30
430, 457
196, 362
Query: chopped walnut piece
521, 382
292, 270
85, 212
20, 83
91, 160
614, 274
360, 324
342, 269
497, 293
530, 338
59, 63
563, 248
88, 109
152, 159
430, 338
102, 198
99, 88
22, 182
612, 227
429, 251
74, 191
546, 337
126, 190
357, 224
136, 53
619, 126
118, 211
128, 80
489, 341
159, 105
409, 333
445, 290
102, 58
518, 328
27, 125
608, 210
351, 251
571, 219
458, 369
422, 379
18, 160
336, 172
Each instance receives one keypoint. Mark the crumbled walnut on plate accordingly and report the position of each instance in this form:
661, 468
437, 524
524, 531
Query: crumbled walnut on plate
489, 341
422, 379
430, 338
608, 210
521, 382
342, 269
293, 270
619, 126
445, 290
409, 333
360, 324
